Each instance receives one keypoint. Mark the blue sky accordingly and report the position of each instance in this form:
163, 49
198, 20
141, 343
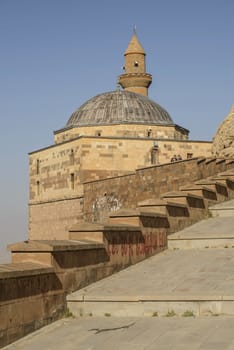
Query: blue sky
55, 54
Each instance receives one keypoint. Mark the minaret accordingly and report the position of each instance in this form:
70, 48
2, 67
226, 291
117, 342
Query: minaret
135, 78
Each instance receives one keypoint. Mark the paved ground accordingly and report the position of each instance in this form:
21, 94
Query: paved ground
217, 227
208, 333
207, 272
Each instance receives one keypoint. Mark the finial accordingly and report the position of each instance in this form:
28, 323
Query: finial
134, 29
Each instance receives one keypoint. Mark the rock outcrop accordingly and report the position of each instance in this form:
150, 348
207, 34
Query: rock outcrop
223, 142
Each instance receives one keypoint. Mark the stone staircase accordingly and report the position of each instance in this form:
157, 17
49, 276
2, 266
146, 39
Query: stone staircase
93, 251
163, 205
193, 277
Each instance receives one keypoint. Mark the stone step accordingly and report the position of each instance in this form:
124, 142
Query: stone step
178, 214
197, 282
43, 251
229, 172
152, 306
164, 207
210, 233
184, 197
139, 217
197, 205
201, 190
227, 180
224, 209
96, 232
219, 187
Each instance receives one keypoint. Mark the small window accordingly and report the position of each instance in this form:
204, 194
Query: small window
154, 156
38, 188
189, 155
38, 166
136, 64
72, 157
149, 133
72, 178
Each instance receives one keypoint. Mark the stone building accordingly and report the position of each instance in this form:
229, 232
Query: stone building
111, 134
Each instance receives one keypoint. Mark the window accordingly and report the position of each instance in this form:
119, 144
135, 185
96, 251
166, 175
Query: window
72, 179
38, 166
149, 132
154, 155
72, 157
189, 155
38, 188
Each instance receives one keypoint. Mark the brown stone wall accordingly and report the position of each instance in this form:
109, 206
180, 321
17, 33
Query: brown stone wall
51, 220
28, 302
104, 196
79, 269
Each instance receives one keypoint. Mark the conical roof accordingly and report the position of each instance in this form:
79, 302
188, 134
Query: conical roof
134, 46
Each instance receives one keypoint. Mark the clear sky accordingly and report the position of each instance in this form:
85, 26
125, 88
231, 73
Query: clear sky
55, 54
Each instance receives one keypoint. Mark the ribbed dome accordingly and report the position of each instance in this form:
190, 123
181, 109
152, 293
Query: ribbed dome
119, 107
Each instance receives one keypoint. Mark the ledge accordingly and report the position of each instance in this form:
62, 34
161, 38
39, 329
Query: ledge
54, 246
136, 213
23, 269
89, 227
178, 194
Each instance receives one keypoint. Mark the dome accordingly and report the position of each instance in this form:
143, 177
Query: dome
119, 107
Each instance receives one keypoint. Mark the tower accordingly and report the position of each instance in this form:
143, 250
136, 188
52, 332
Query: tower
135, 78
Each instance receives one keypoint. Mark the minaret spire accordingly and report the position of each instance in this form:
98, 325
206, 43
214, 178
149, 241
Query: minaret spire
134, 29
135, 78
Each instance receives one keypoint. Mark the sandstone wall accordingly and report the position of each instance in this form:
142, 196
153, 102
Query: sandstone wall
104, 196
51, 220
54, 173
123, 130
29, 299
57, 174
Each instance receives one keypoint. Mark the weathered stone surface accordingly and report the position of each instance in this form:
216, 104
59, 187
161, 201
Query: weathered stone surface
223, 144
31, 296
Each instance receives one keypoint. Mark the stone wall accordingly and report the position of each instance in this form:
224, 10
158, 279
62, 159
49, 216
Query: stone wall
32, 295
51, 220
57, 174
30, 298
104, 196
77, 269
123, 130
